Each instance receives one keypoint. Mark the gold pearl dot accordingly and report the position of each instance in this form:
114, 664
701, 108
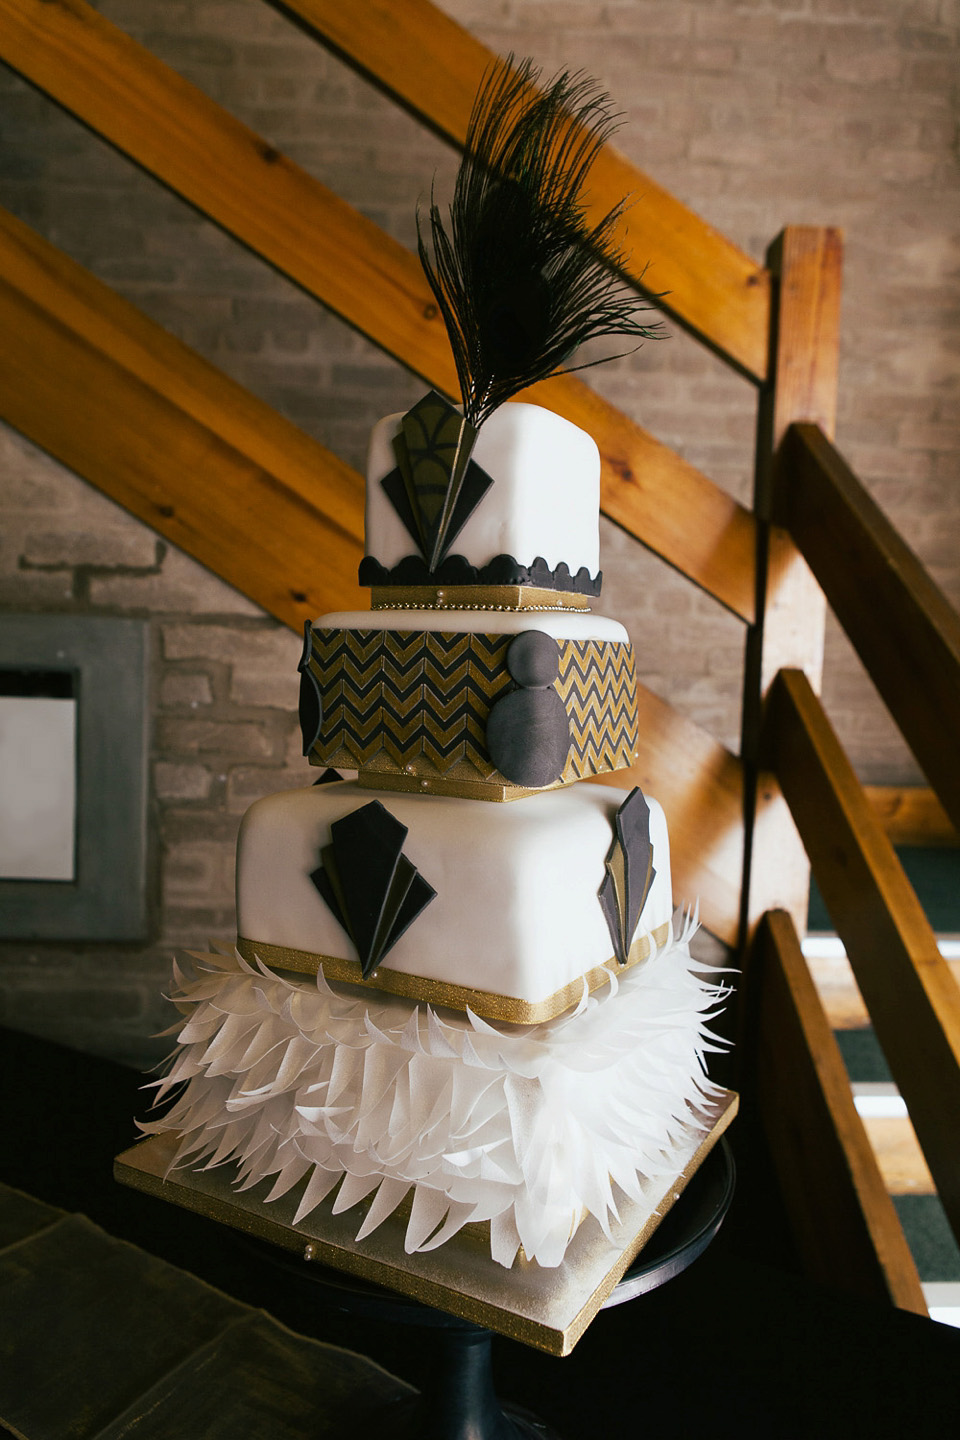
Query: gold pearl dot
309, 1252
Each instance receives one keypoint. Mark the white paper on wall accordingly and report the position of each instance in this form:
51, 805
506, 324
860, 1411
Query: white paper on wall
38, 787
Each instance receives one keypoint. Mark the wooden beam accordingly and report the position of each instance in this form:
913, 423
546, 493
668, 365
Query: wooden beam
426, 60
660, 499
844, 1223
911, 815
912, 997
902, 626
806, 263
87, 377
179, 135
699, 783
837, 988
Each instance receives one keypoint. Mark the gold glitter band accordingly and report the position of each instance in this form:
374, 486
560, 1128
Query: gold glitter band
475, 597
442, 785
486, 1003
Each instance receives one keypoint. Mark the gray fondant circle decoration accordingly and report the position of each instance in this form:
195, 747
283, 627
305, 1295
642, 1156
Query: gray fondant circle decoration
528, 733
533, 659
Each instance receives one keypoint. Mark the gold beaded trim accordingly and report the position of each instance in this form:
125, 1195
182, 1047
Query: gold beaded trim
475, 597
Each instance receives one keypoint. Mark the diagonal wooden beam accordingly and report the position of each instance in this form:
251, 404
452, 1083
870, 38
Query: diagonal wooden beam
206, 464
426, 60
901, 625
844, 1222
909, 991
179, 135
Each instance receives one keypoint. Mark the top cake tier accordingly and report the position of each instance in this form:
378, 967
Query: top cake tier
521, 515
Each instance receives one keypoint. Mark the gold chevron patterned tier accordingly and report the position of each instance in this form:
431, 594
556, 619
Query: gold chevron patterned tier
410, 709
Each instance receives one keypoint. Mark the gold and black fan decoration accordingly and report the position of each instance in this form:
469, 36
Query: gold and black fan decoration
630, 873
436, 486
372, 888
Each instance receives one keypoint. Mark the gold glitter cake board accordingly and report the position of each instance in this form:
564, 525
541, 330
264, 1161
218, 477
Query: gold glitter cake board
548, 1309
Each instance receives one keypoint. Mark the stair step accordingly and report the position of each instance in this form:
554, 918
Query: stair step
893, 1139
834, 979
943, 1301
887, 1123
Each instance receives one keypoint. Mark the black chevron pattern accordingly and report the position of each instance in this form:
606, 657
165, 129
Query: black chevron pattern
417, 702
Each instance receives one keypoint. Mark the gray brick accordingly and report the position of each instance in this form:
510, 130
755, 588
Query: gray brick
235, 739
184, 687
182, 584
181, 782
109, 549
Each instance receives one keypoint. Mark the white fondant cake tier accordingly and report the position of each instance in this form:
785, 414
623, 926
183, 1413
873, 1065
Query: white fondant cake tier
516, 923
544, 502
527, 1128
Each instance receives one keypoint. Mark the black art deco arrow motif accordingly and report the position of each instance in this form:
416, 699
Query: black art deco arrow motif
371, 887
630, 872
436, 486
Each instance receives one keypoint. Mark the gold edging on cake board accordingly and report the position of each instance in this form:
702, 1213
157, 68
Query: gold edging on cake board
475, 597
547, 1309
488, 1004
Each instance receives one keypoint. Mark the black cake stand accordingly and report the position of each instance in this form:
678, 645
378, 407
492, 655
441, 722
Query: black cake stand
458, 1400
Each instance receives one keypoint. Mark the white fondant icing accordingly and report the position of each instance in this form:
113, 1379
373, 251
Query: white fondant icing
562, 625
524, 1127
516, 910
545, 499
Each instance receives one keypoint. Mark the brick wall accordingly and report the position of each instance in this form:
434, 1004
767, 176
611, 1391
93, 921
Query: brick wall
840, 112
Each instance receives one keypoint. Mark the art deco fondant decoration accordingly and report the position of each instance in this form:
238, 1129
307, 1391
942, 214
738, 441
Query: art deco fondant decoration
329, 777
523, 278
373, 890
630, 872
311, 704
412, 570
528, 734
436, 486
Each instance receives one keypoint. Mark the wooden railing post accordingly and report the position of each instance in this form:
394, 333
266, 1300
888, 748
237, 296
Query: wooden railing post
806, 264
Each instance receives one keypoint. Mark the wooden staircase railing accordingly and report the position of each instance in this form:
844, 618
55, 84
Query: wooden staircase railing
844, 1222
900, 624
135, 412
910, 993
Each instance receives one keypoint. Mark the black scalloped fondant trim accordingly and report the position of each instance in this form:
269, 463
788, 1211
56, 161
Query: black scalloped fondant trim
501, 570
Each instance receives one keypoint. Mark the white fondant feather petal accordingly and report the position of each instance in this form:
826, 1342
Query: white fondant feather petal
527, 1127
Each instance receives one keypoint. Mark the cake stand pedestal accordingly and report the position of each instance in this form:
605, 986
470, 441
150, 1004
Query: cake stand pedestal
548, 1309
457, 1290
458, 1400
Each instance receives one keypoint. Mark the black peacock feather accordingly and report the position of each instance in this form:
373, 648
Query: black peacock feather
523, 279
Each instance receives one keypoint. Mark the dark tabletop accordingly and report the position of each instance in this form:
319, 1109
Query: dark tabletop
740, 1344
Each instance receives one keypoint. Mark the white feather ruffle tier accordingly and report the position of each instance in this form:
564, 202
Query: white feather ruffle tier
528, 1127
